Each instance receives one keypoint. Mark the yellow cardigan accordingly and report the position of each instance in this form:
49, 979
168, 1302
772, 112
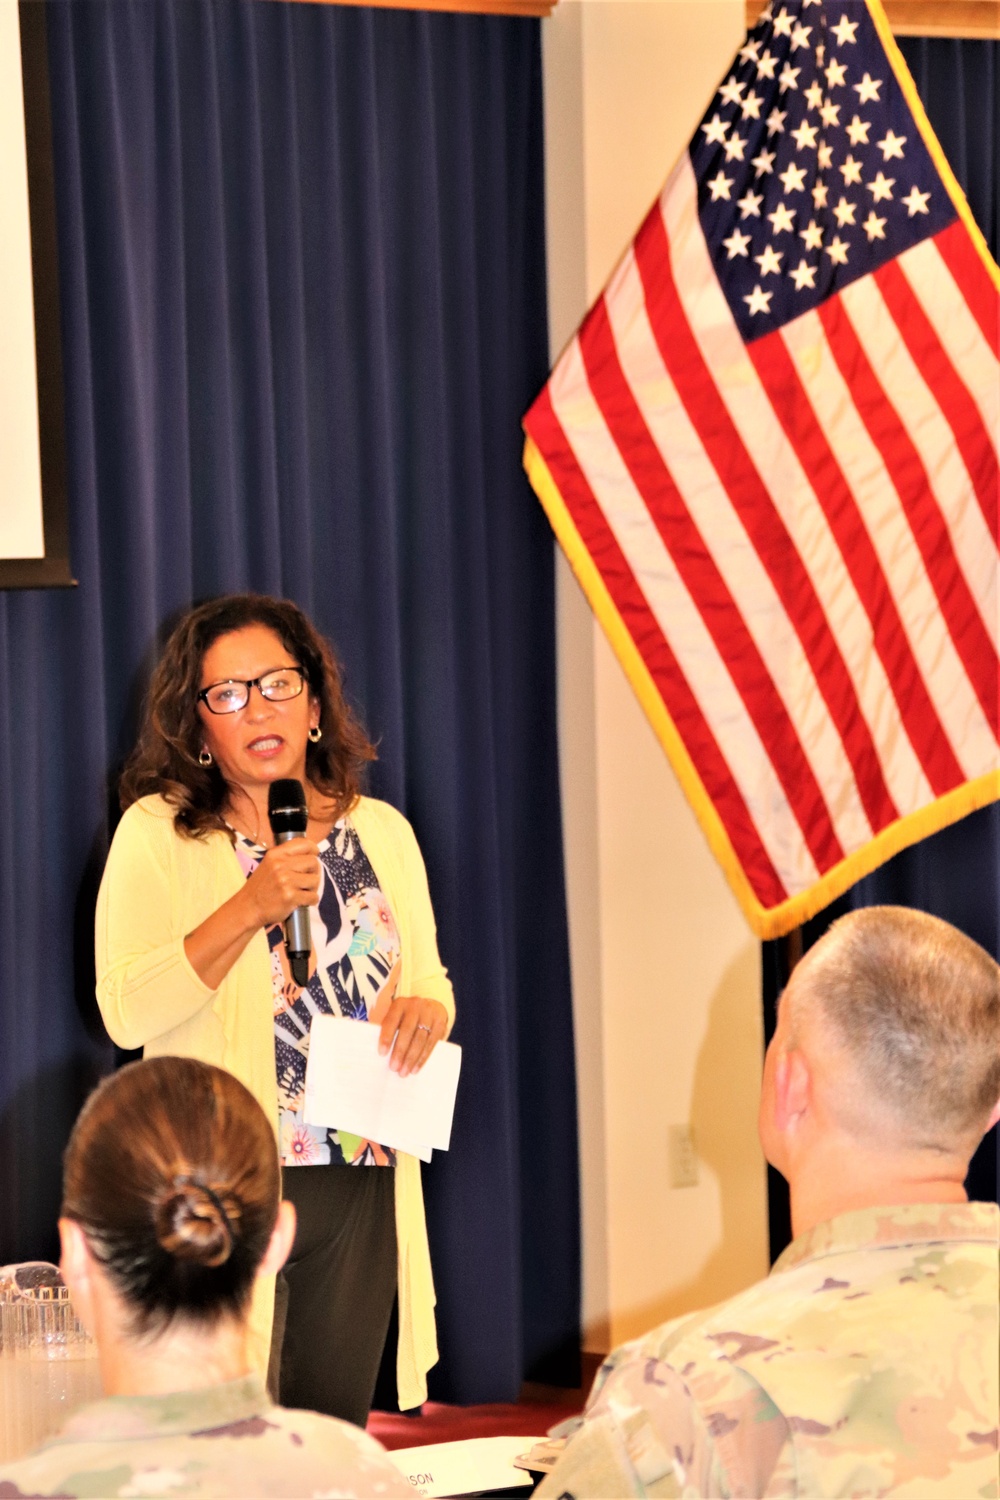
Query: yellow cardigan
158, 886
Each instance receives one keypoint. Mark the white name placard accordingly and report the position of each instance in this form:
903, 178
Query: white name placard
471, 1467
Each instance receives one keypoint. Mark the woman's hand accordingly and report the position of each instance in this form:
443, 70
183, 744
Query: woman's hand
417, 1026
287, 877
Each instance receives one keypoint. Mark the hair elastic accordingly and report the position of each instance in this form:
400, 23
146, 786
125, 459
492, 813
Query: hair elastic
183, 1180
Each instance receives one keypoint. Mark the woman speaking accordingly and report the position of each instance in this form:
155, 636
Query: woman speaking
191, 960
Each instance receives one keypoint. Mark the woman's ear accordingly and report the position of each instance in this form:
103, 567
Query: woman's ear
77, 1266
282, 1238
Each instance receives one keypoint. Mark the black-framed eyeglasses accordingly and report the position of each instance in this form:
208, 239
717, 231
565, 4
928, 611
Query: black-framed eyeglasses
277, 686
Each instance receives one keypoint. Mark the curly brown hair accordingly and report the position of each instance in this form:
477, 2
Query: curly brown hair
165, 759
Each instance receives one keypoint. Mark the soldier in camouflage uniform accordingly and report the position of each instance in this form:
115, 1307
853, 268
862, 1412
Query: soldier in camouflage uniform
170, 1214
227, 1440
867, 1363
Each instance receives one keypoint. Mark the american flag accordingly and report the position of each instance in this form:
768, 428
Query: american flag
771, 454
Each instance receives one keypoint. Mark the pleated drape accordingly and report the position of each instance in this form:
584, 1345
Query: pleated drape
303, 285
959, 83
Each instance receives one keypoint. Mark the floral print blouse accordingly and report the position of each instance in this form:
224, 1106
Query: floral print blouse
354, 970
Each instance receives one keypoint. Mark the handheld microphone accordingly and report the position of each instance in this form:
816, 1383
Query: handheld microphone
289, 817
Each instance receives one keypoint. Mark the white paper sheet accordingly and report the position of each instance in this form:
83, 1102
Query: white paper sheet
350, 1087
472, 1466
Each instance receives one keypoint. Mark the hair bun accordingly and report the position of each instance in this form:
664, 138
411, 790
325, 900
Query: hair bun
192, 1223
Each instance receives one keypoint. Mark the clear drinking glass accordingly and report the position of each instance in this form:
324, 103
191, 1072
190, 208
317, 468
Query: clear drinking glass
48, 1361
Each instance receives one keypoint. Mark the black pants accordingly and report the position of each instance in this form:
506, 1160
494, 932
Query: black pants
335, 1296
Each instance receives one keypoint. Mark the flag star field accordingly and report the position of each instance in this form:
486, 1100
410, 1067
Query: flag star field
810, 170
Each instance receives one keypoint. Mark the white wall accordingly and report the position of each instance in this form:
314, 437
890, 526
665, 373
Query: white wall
21, 530
665, 970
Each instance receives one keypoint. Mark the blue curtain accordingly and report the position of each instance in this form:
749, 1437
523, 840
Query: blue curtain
959, 83
956, 873
303, 293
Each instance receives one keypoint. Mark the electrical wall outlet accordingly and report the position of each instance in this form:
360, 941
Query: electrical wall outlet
683, 1157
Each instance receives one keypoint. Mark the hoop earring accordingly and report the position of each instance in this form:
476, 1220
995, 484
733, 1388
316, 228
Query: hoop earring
315, 734
204, 757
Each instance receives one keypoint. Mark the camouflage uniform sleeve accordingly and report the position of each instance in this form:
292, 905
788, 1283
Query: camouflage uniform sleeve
641, 1435
276, 1452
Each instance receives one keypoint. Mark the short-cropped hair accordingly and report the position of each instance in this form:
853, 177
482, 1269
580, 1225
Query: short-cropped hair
172, 1173
916, 1005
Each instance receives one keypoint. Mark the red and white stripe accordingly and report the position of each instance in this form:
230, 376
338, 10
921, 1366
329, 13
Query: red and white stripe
800, 534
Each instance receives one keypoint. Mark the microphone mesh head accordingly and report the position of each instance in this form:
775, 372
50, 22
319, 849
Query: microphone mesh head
287, 808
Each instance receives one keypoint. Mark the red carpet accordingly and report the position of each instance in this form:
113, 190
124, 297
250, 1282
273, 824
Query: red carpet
532, 1416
